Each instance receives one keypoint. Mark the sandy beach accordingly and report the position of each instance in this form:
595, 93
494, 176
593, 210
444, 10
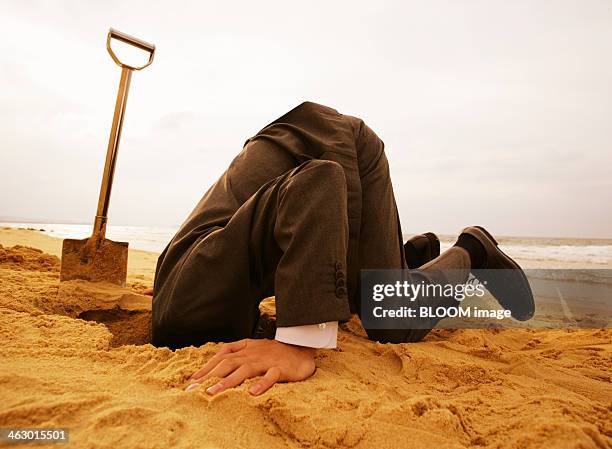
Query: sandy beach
466, 388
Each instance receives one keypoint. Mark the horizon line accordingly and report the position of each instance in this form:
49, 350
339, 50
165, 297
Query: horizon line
23, 220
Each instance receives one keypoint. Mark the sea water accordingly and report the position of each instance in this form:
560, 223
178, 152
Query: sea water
553, 252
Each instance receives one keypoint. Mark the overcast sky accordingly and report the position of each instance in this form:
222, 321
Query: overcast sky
493, 112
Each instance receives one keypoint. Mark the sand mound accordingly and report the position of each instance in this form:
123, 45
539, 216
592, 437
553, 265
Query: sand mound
68, 366
25, 258
32, 275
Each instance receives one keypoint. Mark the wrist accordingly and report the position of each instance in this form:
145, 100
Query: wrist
305, 350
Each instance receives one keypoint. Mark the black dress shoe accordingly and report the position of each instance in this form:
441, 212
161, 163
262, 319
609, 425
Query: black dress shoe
421, 248
503, 277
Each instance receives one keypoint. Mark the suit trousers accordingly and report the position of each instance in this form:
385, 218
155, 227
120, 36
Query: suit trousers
294, 231
301, 210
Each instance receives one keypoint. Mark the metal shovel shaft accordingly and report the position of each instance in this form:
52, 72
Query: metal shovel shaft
99, 229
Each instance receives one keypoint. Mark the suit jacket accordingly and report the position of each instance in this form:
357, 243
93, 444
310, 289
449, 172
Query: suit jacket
309, 131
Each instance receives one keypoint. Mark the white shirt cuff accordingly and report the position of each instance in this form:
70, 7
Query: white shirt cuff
323, 335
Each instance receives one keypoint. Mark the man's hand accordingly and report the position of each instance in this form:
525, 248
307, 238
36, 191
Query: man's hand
277, 362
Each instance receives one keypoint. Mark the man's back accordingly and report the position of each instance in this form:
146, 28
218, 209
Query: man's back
309, 131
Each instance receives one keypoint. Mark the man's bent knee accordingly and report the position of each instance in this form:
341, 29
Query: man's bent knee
322, 171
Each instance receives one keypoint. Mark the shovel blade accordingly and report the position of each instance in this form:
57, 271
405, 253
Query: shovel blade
106, 262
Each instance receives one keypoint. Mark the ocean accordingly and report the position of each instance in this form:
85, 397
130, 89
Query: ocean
533, 251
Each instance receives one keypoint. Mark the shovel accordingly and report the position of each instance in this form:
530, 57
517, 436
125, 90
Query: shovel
96, 258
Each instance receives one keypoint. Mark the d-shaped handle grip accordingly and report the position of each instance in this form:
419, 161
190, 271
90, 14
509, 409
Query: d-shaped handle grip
115, 34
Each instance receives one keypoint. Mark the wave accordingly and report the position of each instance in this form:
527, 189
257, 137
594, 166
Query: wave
155, 238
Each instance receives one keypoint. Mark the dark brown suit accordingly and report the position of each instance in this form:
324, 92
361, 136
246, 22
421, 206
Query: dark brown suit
305, 205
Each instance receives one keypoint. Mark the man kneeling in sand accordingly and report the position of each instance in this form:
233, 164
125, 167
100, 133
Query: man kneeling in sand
305, 206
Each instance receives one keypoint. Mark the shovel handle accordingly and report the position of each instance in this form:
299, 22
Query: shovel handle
99, 230
131, 40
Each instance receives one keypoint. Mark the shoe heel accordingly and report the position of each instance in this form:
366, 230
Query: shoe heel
434, 244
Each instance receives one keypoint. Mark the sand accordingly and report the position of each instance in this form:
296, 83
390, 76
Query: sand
465, 388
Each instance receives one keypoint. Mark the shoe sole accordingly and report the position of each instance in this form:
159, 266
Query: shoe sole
520, 272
